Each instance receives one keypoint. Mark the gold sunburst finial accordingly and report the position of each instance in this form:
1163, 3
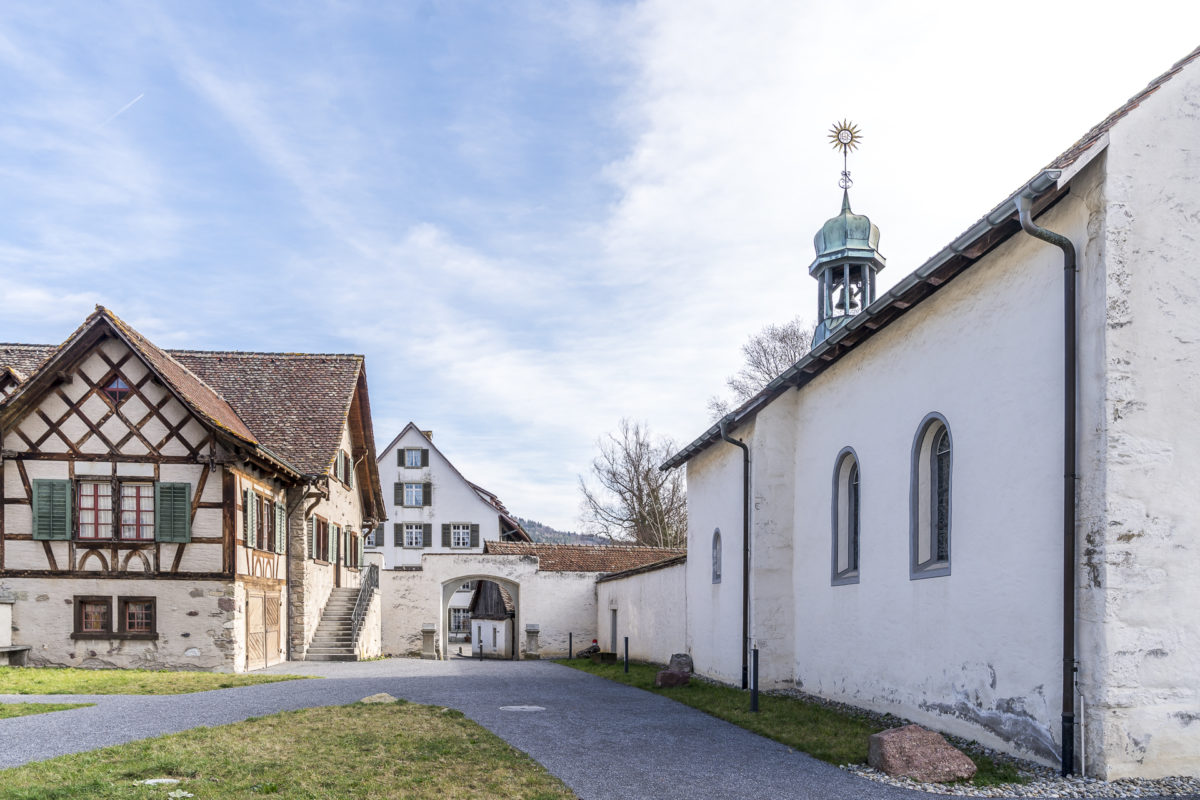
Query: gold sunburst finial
845, 136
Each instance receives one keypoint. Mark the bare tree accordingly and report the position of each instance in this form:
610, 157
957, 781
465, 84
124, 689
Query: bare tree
768, 354
634, 500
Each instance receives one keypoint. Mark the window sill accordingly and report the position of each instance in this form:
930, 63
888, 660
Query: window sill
845, 579
95, 636
939, 570
322, 562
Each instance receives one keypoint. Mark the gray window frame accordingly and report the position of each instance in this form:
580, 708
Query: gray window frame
407, 465
848, 576
420, 531
717, 556
420, 494
932, 568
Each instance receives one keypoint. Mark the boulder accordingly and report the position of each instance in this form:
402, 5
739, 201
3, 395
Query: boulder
917, 753
668, 678
382, 697
680, 662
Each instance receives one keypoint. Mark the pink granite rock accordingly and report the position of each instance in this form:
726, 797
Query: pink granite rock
917, 753
667, 678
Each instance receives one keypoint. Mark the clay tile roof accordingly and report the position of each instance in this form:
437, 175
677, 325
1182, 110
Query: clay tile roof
1090, 138
584, 557
296, 403
23, 359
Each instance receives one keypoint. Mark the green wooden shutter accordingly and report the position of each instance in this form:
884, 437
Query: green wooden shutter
398, 489
426, 535
51, 509
281, 527
335, 543
424, 457
172, 512
474, 535
312, 537
397, 534
349, 472
399, 456
362, 548
445, 535
427, 494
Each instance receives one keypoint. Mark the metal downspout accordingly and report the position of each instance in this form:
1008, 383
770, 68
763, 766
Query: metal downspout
745, 548
1070, 371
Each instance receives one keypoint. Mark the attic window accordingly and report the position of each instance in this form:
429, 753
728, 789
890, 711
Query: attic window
117, 389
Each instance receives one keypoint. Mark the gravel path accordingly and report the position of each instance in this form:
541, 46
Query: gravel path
602, 738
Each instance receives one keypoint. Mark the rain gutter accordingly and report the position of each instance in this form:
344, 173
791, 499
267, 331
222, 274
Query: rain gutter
745, 549
1024, 205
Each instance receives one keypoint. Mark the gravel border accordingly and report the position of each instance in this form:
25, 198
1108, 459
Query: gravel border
1043, 781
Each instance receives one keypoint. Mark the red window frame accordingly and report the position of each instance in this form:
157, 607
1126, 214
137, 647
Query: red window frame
143, 531
94, 490
116, 388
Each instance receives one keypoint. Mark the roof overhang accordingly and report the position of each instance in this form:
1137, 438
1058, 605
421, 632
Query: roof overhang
994, 228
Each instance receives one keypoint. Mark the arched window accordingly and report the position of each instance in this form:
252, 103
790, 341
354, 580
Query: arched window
847, 506
716, 569
933, 452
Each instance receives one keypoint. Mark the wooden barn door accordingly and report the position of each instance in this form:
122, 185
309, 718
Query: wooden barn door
256, 631
271, 620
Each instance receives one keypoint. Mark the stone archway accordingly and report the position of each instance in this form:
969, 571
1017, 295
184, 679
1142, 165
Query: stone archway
453, 586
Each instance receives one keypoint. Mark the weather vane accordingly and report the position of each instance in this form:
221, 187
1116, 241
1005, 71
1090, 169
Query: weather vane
845, 136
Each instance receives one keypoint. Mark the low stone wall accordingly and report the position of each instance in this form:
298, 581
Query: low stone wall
370, 638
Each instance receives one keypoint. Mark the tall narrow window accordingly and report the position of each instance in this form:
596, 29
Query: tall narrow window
716, 555
932, 468
847, 507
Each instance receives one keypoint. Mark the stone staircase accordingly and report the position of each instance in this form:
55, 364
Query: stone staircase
334, 639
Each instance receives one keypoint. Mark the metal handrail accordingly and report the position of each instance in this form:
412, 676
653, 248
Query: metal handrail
366, 589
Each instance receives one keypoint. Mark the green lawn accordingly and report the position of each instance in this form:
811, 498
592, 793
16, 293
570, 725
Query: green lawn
24, 709
67, 680
829, 734
389, 750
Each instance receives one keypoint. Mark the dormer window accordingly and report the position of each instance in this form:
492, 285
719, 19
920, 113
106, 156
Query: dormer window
117, 389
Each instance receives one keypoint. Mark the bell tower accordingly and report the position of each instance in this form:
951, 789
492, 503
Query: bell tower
847, 248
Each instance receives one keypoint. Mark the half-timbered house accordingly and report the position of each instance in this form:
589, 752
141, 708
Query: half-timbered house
175, 509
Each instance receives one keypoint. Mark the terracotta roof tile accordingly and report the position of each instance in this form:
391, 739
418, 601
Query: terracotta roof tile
296, 403
584, 557
24, 359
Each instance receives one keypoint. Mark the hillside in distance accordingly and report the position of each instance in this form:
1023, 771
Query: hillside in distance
547, 535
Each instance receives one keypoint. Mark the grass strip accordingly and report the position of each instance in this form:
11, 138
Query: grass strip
25, 709
830, 734
386, 750
70, 680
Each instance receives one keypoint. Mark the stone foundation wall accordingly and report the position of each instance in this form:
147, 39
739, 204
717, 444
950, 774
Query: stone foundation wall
197, 623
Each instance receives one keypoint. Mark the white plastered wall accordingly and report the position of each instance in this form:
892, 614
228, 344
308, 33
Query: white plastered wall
560, 603
651, 610
454, 501
1140, 644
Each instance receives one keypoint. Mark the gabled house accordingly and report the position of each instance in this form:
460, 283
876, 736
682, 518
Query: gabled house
436, 510
173, 509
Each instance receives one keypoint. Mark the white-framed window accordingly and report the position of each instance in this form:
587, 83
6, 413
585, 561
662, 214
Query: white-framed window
413, 534
414, 494
846, 517
412, 457
460, 535
716, 555
460, 620
930, 499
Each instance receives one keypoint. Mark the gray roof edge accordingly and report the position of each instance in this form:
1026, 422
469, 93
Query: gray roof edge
1040, 184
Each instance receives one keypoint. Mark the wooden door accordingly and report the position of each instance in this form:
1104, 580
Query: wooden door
256, 631
271, 624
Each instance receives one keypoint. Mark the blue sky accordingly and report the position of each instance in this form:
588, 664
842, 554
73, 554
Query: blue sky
532, 218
